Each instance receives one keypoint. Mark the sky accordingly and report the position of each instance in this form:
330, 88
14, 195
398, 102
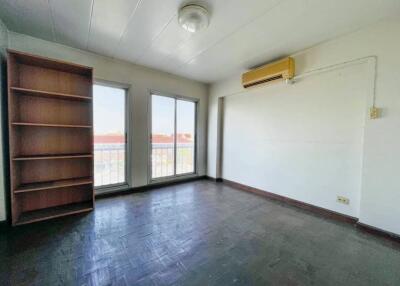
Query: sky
163, 114
108, 110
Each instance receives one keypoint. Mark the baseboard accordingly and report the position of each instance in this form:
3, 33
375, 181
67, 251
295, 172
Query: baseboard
218, 180
378, 232
318, 210
149, 187
321, 211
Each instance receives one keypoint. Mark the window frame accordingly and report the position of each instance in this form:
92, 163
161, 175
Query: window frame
128, 142
175, 176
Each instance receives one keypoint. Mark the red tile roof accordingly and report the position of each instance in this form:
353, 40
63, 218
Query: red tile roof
109, 139
156, 138
181, 138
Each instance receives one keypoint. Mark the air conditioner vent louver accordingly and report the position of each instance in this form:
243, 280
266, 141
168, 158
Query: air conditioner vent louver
280, 70
264, 81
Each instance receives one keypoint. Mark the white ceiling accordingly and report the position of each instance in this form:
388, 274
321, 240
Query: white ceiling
241, 34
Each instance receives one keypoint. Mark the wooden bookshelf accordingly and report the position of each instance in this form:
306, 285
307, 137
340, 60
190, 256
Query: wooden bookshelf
50, 137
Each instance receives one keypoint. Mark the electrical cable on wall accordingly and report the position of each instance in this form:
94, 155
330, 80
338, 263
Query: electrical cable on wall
372, 60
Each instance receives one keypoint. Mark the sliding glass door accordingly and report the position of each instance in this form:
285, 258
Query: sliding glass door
110, 148
173, 133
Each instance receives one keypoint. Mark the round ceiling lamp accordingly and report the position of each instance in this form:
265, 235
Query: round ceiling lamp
193, 18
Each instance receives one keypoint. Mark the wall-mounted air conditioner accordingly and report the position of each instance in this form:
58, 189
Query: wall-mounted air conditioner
279, 70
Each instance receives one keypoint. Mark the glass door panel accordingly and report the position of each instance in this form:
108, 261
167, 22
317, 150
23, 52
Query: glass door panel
109, 135
185, 136
162, 136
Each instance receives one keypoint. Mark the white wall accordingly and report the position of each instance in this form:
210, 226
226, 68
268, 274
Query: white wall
302, 141
310, 143
141, 79
3, 46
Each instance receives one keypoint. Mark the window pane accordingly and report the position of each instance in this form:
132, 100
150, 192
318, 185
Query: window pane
162, 136
109, 135
185, 136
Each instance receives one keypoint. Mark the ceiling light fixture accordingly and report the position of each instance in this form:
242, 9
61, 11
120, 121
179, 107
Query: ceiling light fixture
193, 18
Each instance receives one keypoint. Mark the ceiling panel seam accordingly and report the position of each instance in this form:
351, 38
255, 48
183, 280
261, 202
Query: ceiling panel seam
53, 25
127, 24
90, 24
152, 41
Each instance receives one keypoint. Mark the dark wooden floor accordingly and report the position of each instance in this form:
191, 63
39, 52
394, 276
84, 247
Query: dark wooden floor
198, 233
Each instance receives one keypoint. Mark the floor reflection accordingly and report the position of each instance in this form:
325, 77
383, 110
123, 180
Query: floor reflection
198, 233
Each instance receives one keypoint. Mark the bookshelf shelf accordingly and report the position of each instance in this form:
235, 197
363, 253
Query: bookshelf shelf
53, 212
52, 157
50, 125
42, 93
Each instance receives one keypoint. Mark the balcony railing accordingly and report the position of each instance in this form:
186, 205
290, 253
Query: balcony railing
109, 164
109, 161
163, 159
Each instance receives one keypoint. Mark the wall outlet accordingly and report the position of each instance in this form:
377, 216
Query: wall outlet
343, 200
374, 113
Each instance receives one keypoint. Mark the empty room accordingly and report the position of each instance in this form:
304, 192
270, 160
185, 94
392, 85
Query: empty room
210, 142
